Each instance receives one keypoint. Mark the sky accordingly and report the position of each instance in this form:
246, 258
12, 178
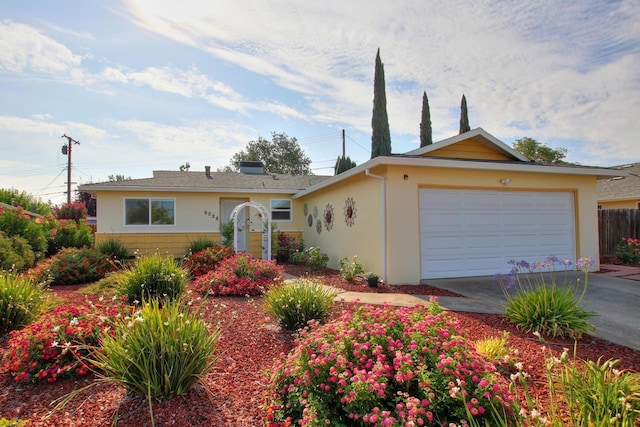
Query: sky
148, 85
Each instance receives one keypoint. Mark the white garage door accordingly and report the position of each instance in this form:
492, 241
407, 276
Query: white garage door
475, 233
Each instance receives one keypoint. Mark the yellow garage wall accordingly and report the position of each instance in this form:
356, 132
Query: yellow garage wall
403, 208
363, 238
619, 204
197, 215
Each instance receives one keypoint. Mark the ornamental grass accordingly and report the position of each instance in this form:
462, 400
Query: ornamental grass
20, 301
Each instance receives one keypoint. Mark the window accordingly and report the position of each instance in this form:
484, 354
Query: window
149, 212
281, 210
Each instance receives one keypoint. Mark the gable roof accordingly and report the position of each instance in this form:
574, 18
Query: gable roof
477, 135
626, 185
215, 182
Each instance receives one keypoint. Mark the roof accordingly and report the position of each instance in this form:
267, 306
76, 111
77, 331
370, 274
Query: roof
626, 185
199, 181
31, 214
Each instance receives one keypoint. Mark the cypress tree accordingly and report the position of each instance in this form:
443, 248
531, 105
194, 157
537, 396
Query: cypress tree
464, 116
380, 136
343, 164
426, 137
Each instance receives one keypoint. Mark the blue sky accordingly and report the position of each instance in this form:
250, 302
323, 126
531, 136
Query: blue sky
152, 84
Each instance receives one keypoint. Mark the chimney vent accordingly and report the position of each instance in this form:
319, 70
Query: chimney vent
251, 167
207, 171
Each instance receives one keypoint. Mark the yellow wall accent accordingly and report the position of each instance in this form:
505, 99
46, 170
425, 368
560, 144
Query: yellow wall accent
468, 149
620, 204
170, 244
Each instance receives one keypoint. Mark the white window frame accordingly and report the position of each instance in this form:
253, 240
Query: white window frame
150, 200
290, 210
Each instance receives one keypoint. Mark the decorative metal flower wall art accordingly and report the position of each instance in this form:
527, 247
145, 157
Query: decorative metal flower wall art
319, 226
329, 217
349, 211
310, 220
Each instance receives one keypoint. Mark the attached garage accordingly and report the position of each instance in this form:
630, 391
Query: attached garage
466, 232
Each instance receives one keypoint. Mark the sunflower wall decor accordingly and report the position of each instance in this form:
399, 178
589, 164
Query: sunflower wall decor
349, 211
329, 217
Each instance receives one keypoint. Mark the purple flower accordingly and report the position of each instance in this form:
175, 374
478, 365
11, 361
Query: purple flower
585, 263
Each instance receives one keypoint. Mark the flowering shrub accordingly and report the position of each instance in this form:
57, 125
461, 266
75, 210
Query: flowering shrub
207, 259
75, 211
628, 250
68, 234
14, 222
386, 367
71, 266
350, 268
240, 274
537, 303
311, 257
286, 244
153, 277
57, 344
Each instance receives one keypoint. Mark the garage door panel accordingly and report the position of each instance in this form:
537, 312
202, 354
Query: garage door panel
476, 232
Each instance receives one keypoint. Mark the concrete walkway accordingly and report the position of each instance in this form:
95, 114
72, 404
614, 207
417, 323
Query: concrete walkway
614, 295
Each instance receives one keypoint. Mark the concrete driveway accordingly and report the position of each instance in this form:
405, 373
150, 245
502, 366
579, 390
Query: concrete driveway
615, 300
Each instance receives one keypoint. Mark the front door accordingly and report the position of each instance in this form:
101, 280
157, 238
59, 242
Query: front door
226, 208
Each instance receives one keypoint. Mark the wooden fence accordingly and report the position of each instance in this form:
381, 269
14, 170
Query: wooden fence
616, 224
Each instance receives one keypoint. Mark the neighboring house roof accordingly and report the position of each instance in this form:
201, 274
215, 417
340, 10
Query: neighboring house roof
624, 186
220, 182
31, 214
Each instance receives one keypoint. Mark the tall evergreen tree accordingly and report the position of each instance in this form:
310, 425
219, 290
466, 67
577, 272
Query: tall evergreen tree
426, 137
464, 116
380, 136
343, 164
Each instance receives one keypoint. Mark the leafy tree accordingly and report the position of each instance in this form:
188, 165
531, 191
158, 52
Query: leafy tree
117, 178
28, 202
539, 152
381, 136
464, 116
426, 137
343, 164
280, 155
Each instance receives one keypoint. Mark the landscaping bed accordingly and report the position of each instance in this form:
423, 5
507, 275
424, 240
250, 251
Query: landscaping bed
232, 394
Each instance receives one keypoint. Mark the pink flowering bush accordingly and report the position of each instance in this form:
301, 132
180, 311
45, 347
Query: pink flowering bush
380, 366
72, 266
240, 275
207, 259
57, 343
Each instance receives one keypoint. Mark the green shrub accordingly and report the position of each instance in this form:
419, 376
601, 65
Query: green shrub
350, 268
68, 234
72, 266
538, 304
386, 366
628, 250
312, 257
294, 302
15, 253
57, 344
298, 258
160, 351
154, 277
14, 222
207, 259
285, 244
198, 245
114, 249
20, 302
14, 197
240, 275
12, 423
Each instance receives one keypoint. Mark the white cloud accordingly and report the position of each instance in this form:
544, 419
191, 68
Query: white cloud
23, 48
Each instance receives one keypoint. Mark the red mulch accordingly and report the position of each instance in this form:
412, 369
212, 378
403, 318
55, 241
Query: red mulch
231, 394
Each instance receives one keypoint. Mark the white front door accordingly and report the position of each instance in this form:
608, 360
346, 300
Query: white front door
226, 209
476, 232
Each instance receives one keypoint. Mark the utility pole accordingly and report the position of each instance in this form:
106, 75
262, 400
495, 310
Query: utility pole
343, 150
66, 149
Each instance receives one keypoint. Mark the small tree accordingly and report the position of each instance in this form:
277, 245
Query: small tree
380, 136
539, 152
280, 155
343, 164
464, 116
426, 137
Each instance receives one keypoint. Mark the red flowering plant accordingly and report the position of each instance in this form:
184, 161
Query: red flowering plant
57, 344
71, 266
628, 250
207, 259
240, 275
387, 366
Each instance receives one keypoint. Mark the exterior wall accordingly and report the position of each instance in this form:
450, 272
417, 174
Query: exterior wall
403, 208
363, 238
468, 150
197, 215
619, 204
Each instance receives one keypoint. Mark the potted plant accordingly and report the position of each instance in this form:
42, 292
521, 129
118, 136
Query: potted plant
371, 278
